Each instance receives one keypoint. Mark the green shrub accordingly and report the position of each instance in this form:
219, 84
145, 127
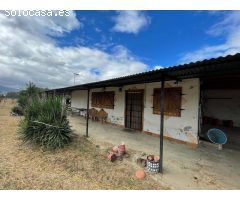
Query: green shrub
17, 110
25, 96
46, 123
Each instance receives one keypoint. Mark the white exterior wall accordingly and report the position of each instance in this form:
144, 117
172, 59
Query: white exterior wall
79, 99
184, 128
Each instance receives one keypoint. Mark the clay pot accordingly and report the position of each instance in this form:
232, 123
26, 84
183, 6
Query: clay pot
121, 149
115, 149
156, 158
112, 157
150, 157
140, 174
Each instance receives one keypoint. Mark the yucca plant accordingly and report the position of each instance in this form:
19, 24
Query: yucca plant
45, 123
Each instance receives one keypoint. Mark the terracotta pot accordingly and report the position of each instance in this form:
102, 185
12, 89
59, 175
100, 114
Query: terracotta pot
156, 158
140, 174
121, 149
150, 157
111, 157
115, 149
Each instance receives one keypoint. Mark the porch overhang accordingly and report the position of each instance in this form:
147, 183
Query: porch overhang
222, 66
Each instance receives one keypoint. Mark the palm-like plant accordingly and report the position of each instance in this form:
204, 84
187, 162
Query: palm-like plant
46, 123
26, 96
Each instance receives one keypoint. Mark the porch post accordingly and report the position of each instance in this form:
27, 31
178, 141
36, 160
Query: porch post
161, 124
87, 112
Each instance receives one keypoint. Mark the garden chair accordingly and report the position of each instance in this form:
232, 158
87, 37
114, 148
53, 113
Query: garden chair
93, 114
102, 115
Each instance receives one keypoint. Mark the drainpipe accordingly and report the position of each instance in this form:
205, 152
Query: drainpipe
87, 112
161, 124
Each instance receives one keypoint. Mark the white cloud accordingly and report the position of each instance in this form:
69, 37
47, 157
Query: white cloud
131, 21
158, 67
228, 27
28, 53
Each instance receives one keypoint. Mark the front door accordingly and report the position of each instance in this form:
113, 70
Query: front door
134, 109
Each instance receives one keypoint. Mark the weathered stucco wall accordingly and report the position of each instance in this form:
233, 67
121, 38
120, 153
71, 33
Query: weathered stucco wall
223, 109
184, 128
79, 99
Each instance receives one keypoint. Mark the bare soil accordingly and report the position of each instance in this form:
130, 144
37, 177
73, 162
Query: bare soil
81, 165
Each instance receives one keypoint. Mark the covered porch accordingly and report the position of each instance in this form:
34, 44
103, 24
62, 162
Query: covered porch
184, 167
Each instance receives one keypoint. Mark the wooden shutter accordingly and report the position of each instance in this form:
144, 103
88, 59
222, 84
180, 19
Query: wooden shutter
103, 99
156, 100
172, 101
94, 99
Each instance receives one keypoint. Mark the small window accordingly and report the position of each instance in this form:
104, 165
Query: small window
172, 101
103, 100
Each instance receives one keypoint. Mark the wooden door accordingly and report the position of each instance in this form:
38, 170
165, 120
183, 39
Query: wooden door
134, 110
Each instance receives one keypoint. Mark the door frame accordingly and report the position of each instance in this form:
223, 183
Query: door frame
125, 110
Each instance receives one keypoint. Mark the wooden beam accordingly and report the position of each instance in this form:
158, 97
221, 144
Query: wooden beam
161, 125
87, 112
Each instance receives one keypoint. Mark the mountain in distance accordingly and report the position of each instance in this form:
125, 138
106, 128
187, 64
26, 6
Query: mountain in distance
4, 89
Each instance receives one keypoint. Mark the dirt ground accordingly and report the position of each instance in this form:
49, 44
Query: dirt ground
183, 167
81, 165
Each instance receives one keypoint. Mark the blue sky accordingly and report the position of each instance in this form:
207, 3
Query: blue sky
166, 38
105, 44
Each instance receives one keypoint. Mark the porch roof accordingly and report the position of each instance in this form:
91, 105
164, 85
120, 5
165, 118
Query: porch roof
228, 65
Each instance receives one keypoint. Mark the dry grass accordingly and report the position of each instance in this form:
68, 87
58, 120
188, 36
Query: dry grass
81, 165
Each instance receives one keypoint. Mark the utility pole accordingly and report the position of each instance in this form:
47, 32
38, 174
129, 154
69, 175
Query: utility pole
74, 77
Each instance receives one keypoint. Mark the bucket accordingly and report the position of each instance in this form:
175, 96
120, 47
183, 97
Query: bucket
153, 166
121, 149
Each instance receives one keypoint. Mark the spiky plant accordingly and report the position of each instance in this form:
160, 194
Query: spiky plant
45, 123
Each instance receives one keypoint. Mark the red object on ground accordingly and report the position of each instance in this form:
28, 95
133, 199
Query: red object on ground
121, 149
156, 158
112, 157
150, 157
140, 174
115, 149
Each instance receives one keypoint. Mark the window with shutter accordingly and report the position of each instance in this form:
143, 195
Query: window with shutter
172, 101
103, 99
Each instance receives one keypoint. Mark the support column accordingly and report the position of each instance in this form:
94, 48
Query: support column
161, 124
87, 112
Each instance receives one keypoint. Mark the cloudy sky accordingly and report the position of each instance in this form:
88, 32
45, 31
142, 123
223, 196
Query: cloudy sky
105, 44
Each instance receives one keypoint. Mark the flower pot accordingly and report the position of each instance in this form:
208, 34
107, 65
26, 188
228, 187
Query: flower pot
150, 157
156, 158
115, 149
121, 149
112, 157
153, 166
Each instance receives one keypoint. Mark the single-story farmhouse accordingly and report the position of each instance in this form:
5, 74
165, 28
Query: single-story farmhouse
194, 97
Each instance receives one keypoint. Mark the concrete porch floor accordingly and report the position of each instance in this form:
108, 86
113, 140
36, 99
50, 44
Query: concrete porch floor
184, 168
